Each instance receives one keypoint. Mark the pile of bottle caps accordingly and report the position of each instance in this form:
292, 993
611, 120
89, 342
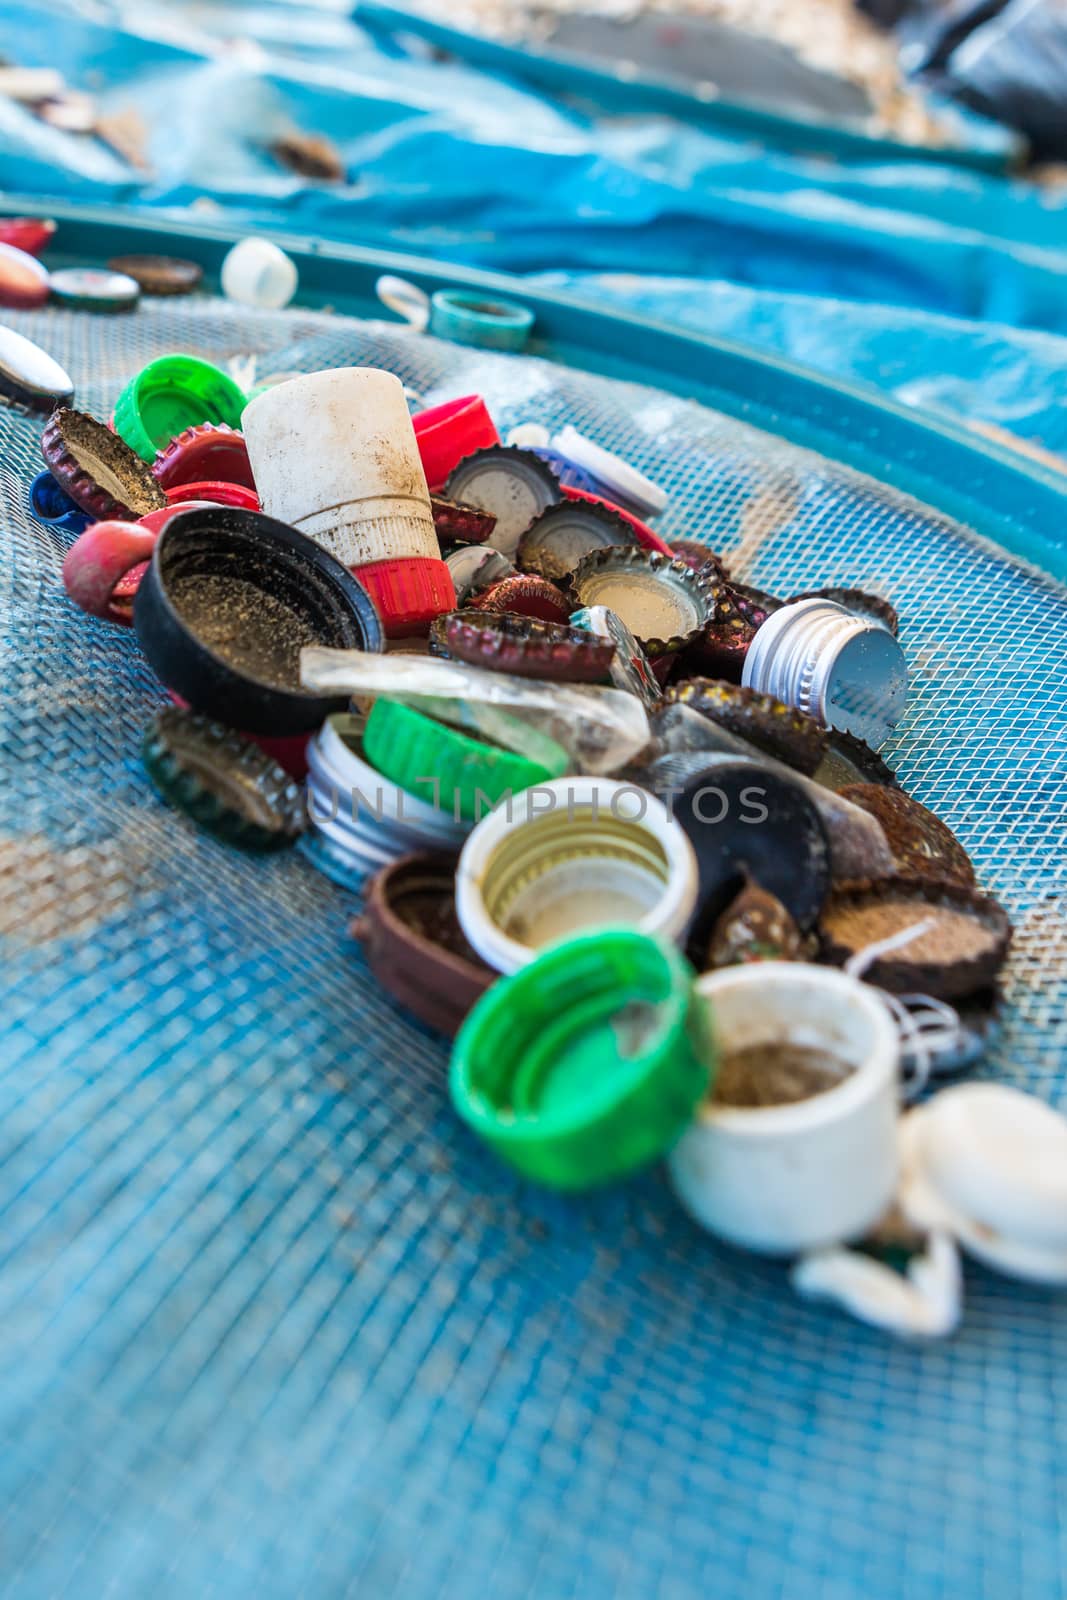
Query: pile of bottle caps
619, 820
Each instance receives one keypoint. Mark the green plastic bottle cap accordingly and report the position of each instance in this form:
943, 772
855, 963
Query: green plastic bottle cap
463, 775
171, 394
589, 1062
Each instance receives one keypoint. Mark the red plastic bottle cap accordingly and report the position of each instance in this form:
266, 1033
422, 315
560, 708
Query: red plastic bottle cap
125, 591
208, 452
448, 432
105, 565
219, 494
156, 521
30, 234
408, 594
99, 560
645, 536
289, 750
23, 280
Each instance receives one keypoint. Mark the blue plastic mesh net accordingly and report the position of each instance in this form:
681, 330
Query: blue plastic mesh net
275, 1325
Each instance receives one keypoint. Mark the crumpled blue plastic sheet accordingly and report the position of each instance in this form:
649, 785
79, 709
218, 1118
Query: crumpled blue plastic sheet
983, 373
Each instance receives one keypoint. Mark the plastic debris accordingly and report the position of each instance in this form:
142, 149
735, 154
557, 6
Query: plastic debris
601, 729
925, 1301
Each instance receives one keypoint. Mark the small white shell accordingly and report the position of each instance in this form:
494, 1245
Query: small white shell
923, 1303
989, 1163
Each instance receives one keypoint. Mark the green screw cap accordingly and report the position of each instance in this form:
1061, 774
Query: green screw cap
171, 394
589, 1062
408, 746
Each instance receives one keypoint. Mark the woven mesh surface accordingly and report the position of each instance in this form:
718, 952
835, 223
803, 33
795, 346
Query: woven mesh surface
274, 1325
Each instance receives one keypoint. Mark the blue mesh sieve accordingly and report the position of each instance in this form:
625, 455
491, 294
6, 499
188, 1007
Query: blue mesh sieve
274, 1325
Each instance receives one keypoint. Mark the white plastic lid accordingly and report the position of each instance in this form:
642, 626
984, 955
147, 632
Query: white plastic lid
961, 1171
622, 482
259, 273
529, 436
1000, 1156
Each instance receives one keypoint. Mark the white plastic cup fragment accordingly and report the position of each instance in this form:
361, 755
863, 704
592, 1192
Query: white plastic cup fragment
789, 1178
925, 1301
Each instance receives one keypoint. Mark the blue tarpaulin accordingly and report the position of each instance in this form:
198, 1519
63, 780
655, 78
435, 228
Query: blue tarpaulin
946, 286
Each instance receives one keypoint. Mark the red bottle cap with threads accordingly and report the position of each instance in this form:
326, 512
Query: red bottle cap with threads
105, 564
408, 594
447, 433
219, 494
646, 537
208, 452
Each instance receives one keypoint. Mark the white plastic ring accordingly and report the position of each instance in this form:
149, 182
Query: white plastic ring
572, 854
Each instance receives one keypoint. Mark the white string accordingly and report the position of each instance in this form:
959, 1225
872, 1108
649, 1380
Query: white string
928, 1027
857, 965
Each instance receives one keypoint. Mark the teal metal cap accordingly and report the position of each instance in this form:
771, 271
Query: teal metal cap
470, 318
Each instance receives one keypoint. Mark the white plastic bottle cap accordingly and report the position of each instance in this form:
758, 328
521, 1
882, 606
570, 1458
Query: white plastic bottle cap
1001, 1155
334, 454
989, 1163
621, 483
786, 1178
572, 854
258, 273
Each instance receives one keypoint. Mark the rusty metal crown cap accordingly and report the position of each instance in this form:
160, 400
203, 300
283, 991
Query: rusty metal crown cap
664, 603
527, 646
99, 472
564, 534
